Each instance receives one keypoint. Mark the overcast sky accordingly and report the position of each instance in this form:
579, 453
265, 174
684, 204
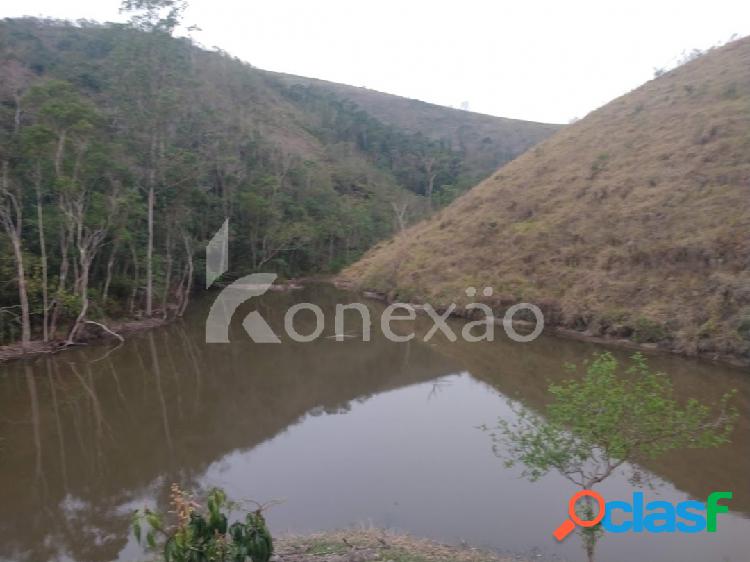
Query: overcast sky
544, 61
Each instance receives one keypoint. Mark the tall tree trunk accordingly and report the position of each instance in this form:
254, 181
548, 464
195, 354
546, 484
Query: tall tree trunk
11, 217
110, 266
168, 276
136, 279
400, 213
189, 287
23, 297
64, 266
150, 253
43, 251
76, 278
83, 283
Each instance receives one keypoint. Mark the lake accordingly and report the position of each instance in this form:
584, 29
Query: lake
346, 433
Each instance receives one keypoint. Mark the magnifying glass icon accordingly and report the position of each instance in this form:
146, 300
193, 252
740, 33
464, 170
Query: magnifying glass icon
569, 524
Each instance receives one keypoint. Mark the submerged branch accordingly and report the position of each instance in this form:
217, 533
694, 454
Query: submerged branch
105, 328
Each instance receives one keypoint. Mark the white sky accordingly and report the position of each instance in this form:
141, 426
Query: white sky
538, 60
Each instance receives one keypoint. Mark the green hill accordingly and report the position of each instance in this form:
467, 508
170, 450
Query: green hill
632, 223
484, 141
124, 149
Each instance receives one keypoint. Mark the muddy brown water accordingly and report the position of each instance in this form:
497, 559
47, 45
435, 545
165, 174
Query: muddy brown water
345, 432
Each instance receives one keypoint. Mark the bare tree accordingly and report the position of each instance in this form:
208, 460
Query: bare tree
42, 250
87, 239
399, 210
110, 267
11, 217
159, 19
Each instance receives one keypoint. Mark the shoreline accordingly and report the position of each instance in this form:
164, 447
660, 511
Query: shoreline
372, 545
569, 333
115, 328
15, 351
96, 335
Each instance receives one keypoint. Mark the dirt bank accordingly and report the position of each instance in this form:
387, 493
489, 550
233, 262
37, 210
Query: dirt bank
371, 545
554, 328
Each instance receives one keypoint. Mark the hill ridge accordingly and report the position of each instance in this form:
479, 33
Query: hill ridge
633, 222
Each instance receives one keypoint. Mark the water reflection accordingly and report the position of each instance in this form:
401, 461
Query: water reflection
346, 431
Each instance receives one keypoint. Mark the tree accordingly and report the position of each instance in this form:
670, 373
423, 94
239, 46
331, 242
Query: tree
187, 138
399, 211
71, 125
11, 218
155, 15
147, 64
603, 420
36, 141
90, 223
14, 82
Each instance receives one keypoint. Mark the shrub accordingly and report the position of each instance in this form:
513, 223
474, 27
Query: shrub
203, 534
648, 331
744, 327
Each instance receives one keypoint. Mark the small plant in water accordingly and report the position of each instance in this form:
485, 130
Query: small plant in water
201, 534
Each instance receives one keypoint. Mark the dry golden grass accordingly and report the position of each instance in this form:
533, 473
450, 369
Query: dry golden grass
372, 545
634, 221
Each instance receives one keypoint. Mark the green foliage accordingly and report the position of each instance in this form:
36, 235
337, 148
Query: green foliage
743, 328
155, 15
606, 418
400, 153
204, 534
90, 116
94, 118
648, 331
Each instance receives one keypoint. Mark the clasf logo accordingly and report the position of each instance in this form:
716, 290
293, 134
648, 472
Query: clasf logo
636, 516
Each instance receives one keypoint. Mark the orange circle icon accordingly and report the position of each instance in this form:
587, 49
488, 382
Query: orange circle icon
569, 524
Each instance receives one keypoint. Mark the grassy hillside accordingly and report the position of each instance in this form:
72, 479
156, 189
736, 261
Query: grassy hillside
486, 142
125, 148
634, 222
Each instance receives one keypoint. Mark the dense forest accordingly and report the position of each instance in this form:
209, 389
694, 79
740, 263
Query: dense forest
123, 148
